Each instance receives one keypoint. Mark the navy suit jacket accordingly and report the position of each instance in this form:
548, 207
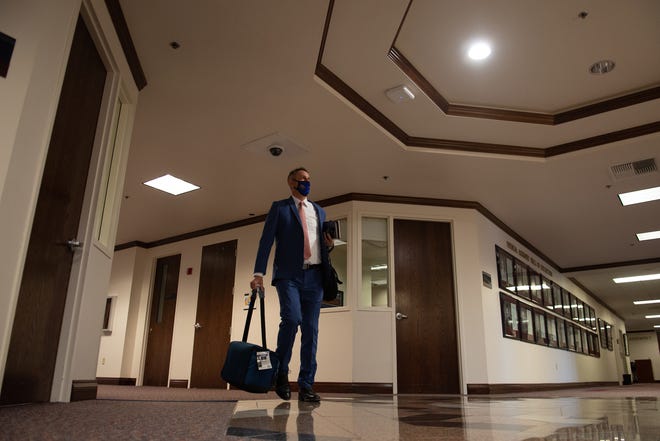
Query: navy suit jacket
283, 226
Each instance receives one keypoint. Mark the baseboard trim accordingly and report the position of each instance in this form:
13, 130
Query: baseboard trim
116, 381
487, 389
350, 388
183, 384
83, 390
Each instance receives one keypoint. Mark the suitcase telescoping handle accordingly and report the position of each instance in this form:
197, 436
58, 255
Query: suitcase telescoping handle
253, 297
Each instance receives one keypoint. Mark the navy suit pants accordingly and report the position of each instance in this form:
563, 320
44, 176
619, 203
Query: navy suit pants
300, 306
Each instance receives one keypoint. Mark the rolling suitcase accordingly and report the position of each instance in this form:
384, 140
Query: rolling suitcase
251, 367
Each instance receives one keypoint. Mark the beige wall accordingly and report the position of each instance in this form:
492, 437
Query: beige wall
357, 344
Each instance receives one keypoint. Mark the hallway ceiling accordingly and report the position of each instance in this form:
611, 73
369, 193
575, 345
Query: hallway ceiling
529, 133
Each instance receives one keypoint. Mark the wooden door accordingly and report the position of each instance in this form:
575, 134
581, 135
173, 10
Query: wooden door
214, 311
42, 296
644, 371
161, 321
426, 341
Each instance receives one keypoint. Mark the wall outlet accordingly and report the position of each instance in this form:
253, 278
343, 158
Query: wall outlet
103, 361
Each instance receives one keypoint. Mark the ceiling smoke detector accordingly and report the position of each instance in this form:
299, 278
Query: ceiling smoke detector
602, 67
400, 94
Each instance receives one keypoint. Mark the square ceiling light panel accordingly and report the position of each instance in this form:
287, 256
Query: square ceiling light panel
172, 185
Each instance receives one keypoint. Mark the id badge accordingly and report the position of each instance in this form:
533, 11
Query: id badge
263, 360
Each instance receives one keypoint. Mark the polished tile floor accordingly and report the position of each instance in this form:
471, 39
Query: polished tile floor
451, 418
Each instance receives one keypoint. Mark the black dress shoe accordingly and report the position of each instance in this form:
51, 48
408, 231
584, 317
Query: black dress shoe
282, 387
308, 395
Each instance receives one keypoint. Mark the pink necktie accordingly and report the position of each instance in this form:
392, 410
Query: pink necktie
307, 250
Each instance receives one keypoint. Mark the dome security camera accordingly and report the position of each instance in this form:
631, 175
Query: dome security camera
275, 150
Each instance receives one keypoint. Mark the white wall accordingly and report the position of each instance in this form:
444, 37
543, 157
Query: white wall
357, 344
644, 346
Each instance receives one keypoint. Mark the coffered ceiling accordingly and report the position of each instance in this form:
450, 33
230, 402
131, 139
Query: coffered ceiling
528, 134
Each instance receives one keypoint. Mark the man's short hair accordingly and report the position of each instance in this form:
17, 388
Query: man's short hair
296, 170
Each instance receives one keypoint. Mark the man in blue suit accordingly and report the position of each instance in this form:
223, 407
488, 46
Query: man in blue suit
295, 225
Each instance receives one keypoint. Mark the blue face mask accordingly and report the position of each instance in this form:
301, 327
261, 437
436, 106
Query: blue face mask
303, 187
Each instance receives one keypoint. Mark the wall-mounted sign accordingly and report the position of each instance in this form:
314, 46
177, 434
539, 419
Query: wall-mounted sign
486, 279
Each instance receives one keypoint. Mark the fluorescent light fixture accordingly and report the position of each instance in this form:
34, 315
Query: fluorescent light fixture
643, 278
171, 185
653, 316
646, 302
656, 326
639, 196
479, 51
378, 267
649, 235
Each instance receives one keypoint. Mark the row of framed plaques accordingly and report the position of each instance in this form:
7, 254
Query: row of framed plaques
522, 321
515, 277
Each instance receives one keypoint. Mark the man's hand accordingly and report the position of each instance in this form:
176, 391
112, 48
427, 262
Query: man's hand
257, 282
329, 241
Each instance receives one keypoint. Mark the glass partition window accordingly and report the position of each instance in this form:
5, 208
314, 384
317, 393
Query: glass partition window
107, 209
374, 291
339, 258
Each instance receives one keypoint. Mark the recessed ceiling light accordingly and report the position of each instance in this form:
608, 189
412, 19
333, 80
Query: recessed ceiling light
653, 316
646, 302
643, 278
479, 51
602, 67
171, 185
649, 235
639, 196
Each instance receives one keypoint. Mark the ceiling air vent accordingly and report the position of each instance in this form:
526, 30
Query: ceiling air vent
631, 169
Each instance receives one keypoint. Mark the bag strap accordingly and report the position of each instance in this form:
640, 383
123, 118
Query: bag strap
253, 298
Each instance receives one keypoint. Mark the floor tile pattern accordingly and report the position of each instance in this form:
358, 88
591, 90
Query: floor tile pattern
450, 418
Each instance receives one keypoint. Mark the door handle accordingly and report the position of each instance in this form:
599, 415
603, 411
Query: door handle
73, 244
400, 316
197, 326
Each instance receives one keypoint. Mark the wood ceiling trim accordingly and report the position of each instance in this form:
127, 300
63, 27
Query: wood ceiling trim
607, 138
124, 35
463, 110
448, 108
352, 96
